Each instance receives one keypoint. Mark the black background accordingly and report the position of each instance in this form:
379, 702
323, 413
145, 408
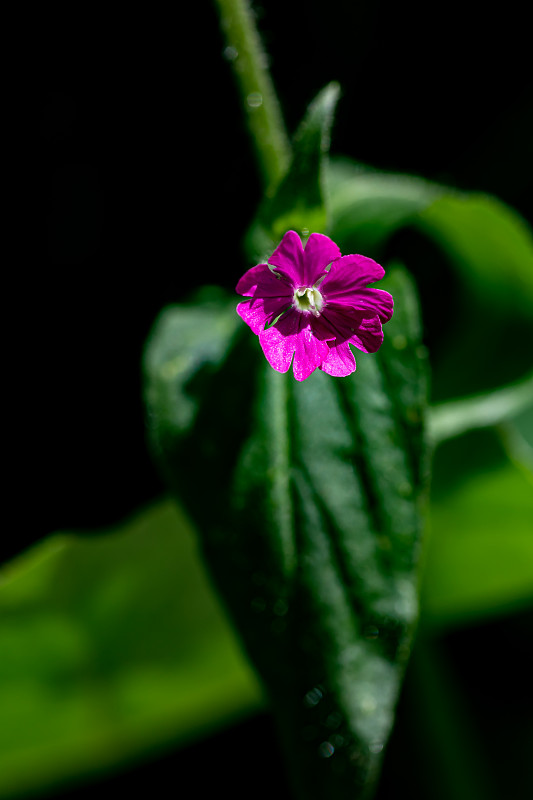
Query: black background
143, 182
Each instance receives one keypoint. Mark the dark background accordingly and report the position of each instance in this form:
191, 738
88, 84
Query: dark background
143, 183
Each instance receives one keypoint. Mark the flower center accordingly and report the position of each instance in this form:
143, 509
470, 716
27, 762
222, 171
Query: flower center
309, 300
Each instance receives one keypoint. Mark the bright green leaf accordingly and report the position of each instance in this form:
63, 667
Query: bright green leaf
111, 646
480, 553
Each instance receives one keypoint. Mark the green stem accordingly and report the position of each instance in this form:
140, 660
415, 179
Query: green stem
261, 104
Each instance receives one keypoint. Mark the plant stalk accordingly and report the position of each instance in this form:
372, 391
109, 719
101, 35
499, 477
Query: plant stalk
261, 106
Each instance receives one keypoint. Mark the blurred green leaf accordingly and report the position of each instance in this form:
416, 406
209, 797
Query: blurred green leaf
111, 646
516, 436
484, 339
488, 242
480, 552
367, 206
306, 496
298, 202
457, 416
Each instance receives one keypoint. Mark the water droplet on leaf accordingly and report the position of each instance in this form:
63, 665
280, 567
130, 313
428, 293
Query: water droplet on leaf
326, 750
254, 99
230, 53
313, 697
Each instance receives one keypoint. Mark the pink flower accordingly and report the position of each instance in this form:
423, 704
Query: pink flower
314, 303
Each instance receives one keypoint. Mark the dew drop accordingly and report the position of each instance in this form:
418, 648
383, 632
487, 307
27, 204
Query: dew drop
230, 53
326, 750
255, 99
313, 697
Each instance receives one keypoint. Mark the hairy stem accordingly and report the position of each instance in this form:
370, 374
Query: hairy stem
261, 104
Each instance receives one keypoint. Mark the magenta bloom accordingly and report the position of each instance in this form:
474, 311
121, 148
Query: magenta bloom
315, 303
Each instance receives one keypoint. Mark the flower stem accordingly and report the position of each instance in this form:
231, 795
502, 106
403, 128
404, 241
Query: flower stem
261, 104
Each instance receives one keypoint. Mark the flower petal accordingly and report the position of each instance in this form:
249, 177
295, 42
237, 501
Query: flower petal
309, 354
279, 341
288, 257
319, 251
366, 302
261, 281
349, 326
350, 273
293, 334
374, 301
258, 312
340, 361
369, 336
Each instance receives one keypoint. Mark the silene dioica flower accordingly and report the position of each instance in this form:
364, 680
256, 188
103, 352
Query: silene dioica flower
314, 303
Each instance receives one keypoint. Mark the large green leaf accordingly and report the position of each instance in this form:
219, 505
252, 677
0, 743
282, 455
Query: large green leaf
111, 646
484, 337
368, 206
489, 244
306, 496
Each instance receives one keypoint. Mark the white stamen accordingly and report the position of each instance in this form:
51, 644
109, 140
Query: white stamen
309, 300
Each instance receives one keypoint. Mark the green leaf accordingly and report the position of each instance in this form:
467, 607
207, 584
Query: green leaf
480, 552
298, 202
488, 242
488, 246
307, 499
111, 647
447, 420
367, 206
